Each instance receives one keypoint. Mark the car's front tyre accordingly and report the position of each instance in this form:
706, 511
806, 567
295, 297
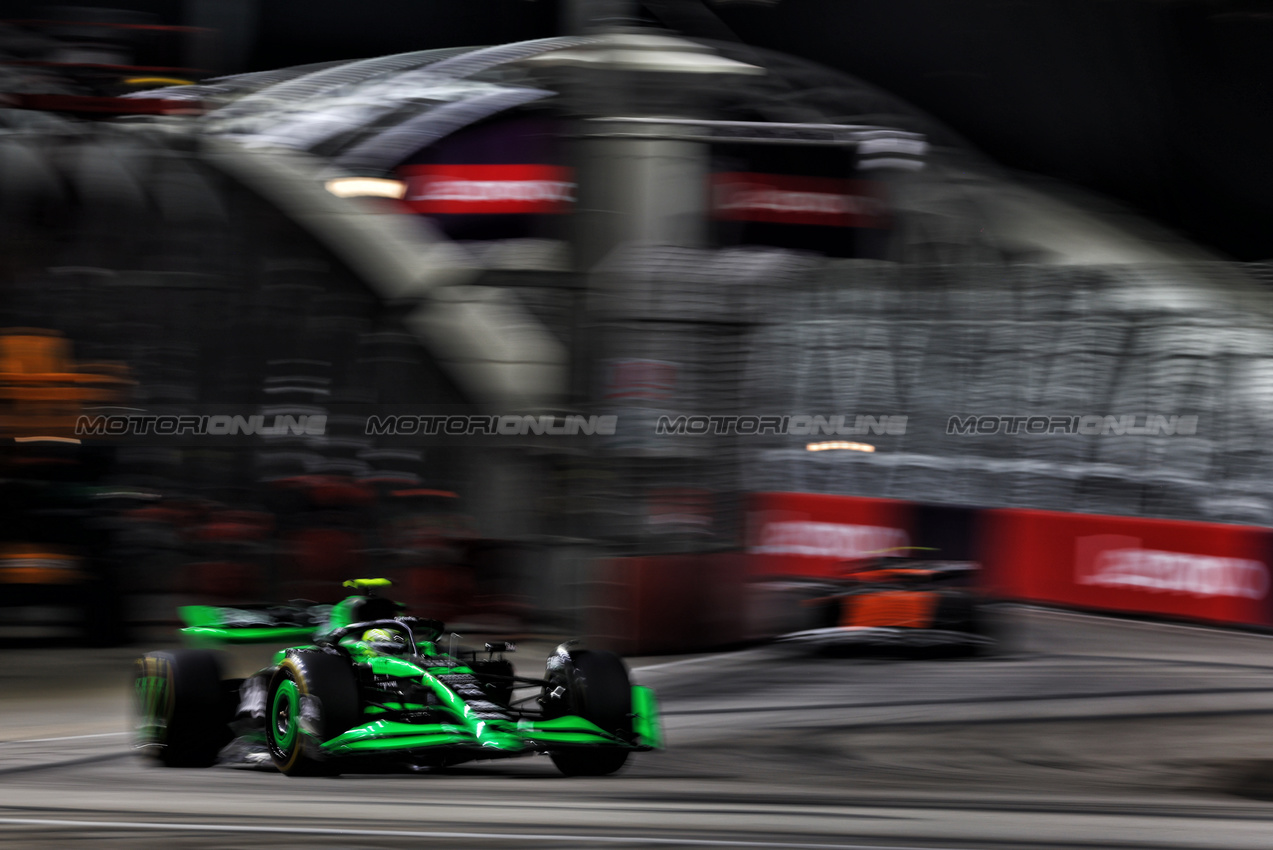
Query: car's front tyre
597, 688
313, 697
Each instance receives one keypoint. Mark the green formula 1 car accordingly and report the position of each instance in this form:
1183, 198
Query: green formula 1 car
374, 689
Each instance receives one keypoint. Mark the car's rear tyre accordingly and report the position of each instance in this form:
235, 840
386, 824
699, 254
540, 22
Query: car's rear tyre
183, 706
598, 690
324, 687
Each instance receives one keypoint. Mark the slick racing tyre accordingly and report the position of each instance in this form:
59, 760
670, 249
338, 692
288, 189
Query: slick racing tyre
184, 707
313, 697
598, 690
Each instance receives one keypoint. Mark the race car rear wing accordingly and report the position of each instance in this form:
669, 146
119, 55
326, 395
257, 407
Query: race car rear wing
253, 623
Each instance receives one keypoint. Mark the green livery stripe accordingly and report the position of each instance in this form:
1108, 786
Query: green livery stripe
393, 706
381, 730
389, 666
569, 723
400, 742
388, 735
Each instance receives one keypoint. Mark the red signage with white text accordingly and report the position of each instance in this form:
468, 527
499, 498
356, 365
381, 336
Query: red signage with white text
808, 534
520, 189
793, 199
1195, 570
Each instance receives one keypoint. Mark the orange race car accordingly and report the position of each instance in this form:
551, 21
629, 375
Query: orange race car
895, 599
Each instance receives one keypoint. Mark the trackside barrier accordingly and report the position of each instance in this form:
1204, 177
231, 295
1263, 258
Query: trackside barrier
1205, 572
1189, 570
809, 534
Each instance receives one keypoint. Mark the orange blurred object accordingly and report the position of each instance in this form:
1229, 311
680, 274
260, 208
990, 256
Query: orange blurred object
899, 609
42, 388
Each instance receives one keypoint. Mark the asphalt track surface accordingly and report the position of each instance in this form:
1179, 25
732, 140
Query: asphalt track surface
1091, 733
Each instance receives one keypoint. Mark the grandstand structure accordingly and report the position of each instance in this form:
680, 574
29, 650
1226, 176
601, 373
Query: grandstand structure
337, 219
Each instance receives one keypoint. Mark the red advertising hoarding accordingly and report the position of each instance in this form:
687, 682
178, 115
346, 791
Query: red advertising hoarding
501, 178
517, 189
808, 534
794, 199
1192, 570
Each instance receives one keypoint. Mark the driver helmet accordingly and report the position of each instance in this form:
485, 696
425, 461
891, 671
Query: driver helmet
384, 640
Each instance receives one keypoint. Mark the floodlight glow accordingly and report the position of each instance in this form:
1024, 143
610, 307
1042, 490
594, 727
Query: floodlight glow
834, 445
366, 187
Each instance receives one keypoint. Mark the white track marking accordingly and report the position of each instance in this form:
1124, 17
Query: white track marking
712, 657
67, 738
406, 833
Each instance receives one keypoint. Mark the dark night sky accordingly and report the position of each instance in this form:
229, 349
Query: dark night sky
1164, 105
